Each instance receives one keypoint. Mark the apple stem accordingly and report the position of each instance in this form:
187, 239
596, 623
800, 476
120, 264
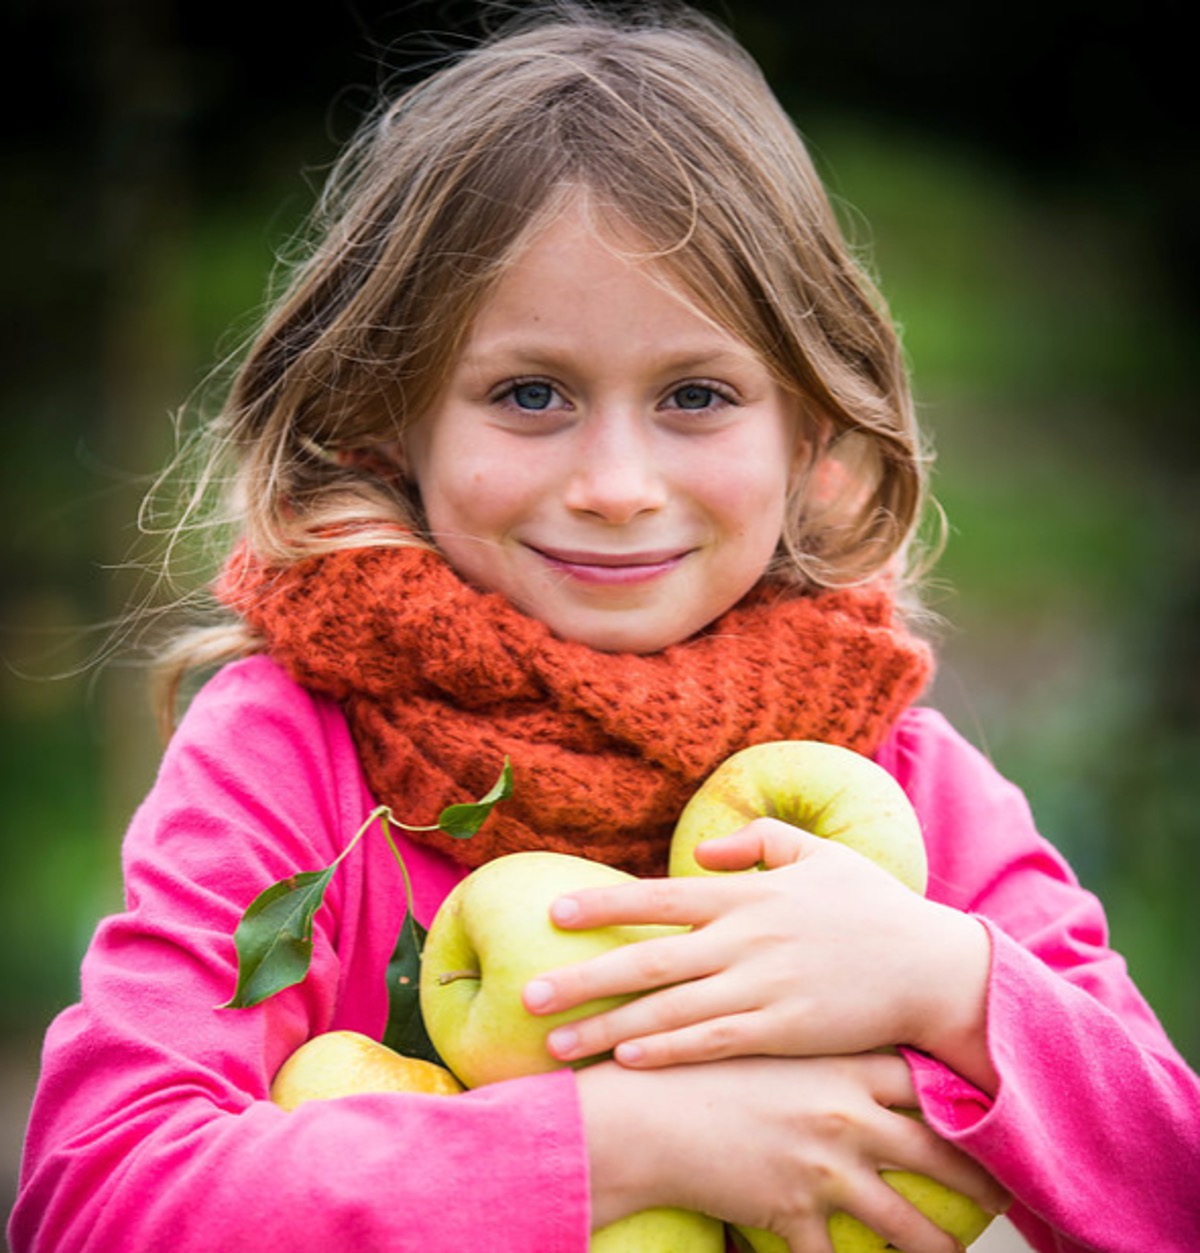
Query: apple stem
453, 976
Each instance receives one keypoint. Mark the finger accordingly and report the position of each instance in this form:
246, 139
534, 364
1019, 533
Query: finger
645, 902
915, 1146
710, 1039
887, 1213
885, 1075
692, 1022
628, 970
809, 1235
766, 842
940, 1160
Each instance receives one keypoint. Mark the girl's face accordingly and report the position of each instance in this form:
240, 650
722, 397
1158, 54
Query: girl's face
603, 454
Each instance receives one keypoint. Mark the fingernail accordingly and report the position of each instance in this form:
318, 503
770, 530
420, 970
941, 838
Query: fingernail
565, 909
629, 1054
562, 1042
538, 993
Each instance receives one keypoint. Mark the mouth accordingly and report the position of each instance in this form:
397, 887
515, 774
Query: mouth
610, 569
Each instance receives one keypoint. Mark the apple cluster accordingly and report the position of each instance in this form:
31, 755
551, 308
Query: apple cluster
493, 934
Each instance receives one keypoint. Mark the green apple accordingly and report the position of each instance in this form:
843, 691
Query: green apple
825, 789
492, 935
838, 794
342, 1063
661, 1231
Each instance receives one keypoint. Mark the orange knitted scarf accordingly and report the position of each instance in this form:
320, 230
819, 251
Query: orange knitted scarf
440, 681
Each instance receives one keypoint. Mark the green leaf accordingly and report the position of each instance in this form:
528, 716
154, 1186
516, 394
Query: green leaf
462, 821
405, 1026
274, 939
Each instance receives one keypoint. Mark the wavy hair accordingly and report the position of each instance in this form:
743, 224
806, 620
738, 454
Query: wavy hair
670, 129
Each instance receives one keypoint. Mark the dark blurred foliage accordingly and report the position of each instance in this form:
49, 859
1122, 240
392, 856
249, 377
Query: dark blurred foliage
1028, 173
130, 121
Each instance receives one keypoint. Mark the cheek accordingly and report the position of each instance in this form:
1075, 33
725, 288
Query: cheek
474, 493
764, 520
751, 500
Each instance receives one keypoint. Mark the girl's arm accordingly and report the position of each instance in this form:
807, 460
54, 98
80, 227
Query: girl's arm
1095, 1126
151, 1127
1055, 1074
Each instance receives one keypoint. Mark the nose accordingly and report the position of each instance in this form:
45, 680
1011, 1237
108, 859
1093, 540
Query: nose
617, 474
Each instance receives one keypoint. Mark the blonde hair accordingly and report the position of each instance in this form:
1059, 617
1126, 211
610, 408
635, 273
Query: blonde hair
672, 131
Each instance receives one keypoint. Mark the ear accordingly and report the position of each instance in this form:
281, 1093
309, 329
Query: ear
394, 454
814, 432
385, 460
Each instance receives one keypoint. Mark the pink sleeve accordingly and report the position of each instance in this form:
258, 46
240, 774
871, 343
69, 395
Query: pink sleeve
151, 1128
1095, 1128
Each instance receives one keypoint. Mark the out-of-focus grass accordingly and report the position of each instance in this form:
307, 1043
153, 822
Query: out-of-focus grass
59, 863
1050, 370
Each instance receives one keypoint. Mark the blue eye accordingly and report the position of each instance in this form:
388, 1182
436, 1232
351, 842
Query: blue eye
533, 395
694, 396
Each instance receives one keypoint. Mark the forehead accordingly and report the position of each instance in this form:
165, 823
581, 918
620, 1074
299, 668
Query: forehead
576, 259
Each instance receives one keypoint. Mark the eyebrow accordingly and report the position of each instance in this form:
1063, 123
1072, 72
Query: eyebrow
546, 355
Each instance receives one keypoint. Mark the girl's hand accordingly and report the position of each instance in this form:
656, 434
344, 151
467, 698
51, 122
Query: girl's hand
780, 1143
824, 953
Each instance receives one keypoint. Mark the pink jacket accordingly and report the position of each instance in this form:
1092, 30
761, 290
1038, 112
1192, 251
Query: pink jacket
150, 1129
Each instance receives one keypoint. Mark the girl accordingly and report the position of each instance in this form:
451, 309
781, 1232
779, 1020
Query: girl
580, 438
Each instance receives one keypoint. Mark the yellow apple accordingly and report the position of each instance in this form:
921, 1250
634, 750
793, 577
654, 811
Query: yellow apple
661, 1231
825, 789
838, 794
344, 1063
492, 935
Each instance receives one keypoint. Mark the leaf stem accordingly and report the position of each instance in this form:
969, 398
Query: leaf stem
385, 818
380, 812
274, 937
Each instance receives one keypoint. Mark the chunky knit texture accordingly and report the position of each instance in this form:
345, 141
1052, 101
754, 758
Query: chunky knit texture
440, 682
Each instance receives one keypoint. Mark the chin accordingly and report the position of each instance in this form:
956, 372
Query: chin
635, 623
640, 641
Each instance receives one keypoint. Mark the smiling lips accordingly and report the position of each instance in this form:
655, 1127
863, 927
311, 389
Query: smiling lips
612, 569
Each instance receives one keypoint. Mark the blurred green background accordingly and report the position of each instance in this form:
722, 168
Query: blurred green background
1023, 179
